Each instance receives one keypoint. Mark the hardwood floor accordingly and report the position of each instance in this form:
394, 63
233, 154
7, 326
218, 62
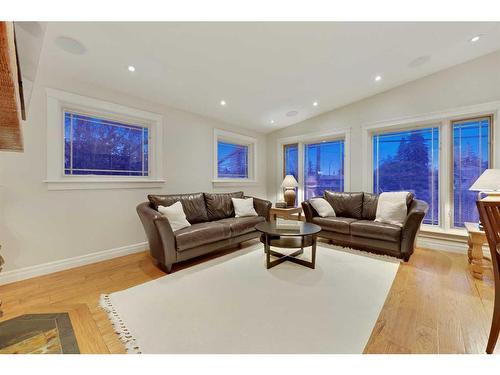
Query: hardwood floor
434, 305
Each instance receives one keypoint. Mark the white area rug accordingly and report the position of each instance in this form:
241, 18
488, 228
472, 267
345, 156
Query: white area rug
233, 304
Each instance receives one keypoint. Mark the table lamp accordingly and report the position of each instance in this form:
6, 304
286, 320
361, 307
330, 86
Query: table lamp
289, 184
489, 184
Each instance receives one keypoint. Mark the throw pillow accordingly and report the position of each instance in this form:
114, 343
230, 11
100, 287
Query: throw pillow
392, 208
322, 207
175, 215
243, 207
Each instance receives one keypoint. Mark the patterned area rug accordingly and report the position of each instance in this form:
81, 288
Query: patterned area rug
38, 334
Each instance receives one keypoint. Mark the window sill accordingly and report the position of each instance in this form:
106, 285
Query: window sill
451, 234
234, 182
97, 183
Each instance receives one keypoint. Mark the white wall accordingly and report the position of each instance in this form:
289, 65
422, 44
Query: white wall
474, 82
40, 226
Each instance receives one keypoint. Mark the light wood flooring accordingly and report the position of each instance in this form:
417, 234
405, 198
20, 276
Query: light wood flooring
434, 305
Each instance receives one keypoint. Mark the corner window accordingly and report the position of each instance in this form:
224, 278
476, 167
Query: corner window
471, 157
97, 146
234, 157
409, 160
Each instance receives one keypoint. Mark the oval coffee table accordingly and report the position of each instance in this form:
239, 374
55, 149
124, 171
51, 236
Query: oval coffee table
303, 236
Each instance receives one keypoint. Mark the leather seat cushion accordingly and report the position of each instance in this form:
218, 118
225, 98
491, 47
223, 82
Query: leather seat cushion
201, 234
334, 224
193, 205
376, 230
345, 204
220, 205
241, 225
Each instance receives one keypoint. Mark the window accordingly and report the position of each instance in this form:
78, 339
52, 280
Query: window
234, 157
232, 160
291, 163
471, 156
94, 144
291, 160
409, 160
98, 146
323, 167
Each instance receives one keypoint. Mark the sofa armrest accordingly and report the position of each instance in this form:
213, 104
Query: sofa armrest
309, 211
418, 209
262, 206
160, 236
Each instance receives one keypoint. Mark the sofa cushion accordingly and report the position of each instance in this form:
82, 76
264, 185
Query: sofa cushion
369, 206
241, 225
370, 202
334, 224
201, 234
376, 230
345, 204
193, 205
219, 205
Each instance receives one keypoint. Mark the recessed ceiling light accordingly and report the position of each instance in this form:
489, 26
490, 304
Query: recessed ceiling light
315, 104
475, 38
272, 121
378, 78
223, 103
131, 68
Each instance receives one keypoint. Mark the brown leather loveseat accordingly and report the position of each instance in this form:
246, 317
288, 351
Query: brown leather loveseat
354, 224
213, 225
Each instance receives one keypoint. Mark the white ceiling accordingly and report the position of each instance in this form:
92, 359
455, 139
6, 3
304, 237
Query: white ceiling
262, 70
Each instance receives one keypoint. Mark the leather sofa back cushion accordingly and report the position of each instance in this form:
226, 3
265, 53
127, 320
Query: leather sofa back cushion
193, 205
345, 204
219, 205
370, 202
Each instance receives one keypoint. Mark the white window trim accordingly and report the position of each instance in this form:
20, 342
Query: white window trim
307, 138
252, 157
443, 120
57, 102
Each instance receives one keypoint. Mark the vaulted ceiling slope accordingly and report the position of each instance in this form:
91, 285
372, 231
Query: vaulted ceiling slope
261, 70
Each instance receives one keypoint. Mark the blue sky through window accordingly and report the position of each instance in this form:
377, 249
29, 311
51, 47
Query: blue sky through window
97, 146
409, 161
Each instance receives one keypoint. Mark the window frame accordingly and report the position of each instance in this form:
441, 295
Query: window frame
491, 156
58, 102
302, 140
444, 118
238, 139
430, 125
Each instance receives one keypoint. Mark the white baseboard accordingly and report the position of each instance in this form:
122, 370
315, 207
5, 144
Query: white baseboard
64, 264
433, 243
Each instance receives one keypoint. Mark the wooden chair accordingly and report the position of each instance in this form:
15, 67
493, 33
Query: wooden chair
489, 212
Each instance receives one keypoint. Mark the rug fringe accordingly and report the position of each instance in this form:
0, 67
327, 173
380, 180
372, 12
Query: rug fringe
119, 327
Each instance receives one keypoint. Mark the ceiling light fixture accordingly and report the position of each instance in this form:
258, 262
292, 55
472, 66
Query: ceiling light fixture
272, 121
223, 103
315, 104
131, 68
475, 38
378, 78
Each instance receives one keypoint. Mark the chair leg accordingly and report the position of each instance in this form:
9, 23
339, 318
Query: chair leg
495, 325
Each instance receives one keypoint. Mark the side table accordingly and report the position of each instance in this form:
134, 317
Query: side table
286, 213
476, 239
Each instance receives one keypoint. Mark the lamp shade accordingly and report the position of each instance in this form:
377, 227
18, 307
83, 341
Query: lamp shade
489, 181
289, 182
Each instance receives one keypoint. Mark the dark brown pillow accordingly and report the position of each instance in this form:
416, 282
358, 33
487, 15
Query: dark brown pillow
193, 205
345, 204
220, 205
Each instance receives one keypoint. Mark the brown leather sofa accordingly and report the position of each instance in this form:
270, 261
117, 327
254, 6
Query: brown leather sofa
354, 224
213, 225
